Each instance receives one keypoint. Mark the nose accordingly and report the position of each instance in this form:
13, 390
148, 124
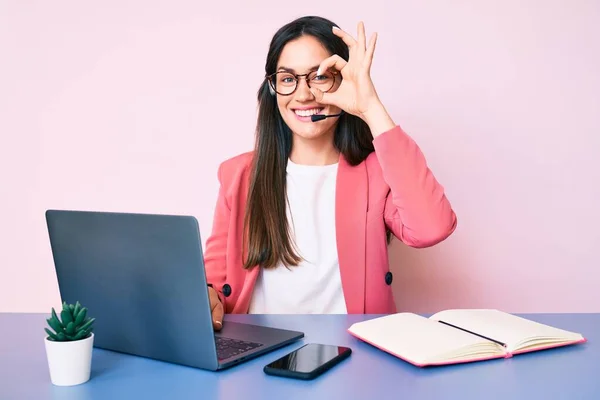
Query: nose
303, 92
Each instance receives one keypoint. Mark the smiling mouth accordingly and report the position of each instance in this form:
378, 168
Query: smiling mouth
308, 113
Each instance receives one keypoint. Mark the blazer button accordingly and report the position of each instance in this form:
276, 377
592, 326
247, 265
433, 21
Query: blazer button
226, 290
389, 278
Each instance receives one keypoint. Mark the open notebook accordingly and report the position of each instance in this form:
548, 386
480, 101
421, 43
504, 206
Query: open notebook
459, 336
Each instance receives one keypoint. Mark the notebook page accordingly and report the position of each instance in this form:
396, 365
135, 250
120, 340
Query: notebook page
504, 327
415, 338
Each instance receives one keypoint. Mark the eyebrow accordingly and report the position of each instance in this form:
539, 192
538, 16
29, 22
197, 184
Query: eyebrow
287, 69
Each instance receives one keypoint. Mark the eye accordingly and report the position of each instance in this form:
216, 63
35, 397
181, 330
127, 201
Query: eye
321, 78
286, 79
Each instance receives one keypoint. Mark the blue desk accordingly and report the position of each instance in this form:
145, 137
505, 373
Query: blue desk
565, 373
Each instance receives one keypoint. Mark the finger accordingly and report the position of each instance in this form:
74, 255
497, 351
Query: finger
349, 40
216, 308
335, 62
319, 95
324, 98
217, 315
370, 51
361, 37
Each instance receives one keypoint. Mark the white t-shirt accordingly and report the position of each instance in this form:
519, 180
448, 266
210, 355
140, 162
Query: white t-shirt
314, 286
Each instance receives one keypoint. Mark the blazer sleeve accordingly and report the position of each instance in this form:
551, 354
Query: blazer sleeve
215, 254
417, 210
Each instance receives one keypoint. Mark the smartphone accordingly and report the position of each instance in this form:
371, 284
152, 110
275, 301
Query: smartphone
308, 362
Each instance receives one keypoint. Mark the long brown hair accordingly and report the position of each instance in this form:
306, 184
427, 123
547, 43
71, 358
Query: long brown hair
266, 228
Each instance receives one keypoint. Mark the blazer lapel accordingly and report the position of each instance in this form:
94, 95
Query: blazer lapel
350, 217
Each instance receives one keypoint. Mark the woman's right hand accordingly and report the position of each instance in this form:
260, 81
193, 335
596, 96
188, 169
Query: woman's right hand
216, 308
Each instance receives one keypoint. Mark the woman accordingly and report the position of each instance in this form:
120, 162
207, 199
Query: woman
302, 222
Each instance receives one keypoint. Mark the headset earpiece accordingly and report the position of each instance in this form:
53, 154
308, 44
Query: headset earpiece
271, 90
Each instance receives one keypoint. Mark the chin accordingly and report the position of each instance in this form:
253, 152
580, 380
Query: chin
311, 130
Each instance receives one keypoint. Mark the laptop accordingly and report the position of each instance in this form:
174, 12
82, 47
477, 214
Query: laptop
142, 277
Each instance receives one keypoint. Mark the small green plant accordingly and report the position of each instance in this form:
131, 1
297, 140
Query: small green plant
74, 325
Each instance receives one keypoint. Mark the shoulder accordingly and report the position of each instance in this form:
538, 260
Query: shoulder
234, 168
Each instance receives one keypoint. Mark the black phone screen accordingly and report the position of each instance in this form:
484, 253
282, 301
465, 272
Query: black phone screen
308, 360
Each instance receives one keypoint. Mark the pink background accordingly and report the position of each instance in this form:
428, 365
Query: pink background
131, 105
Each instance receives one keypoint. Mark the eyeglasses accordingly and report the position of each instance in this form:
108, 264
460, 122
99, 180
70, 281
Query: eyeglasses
285, 83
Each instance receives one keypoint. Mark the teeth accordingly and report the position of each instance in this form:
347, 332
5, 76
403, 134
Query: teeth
308, 113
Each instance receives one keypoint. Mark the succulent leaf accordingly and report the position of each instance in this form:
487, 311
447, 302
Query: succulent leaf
80, 335
79, 318
66, 316
55, 318
51, 335
55, 324
76, 309
70, 330
88, 324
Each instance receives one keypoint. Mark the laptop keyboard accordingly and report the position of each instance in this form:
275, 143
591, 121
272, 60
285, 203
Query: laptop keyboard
227, 347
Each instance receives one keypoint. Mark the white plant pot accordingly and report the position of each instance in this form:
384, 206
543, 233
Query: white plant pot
70, 363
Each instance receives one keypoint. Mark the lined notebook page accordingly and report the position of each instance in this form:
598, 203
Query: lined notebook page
413, 337
504, 327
